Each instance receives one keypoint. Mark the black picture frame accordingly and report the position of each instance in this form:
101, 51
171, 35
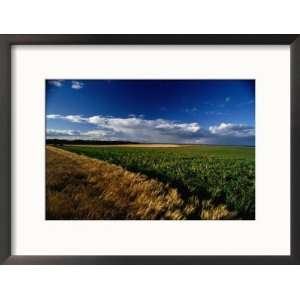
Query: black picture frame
6, 41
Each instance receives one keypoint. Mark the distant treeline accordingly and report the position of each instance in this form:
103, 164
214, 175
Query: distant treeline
85, 142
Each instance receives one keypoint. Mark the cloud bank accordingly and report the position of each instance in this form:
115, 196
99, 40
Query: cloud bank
138, 129
235, 130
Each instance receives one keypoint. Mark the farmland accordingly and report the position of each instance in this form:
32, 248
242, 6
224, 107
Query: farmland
81, 188
210, 182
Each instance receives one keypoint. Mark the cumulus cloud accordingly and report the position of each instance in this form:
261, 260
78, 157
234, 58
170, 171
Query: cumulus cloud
77, 85
71, 118
62, 133
53, 116
229, 129
56, 83
77, 134
74, 118
97, 134
136, 128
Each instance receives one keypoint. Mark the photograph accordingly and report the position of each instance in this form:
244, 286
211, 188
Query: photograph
150, 149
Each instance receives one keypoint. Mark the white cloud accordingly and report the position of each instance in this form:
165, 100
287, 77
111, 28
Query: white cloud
74, 118
157, 130
53, 116
95, 133
56, 83
71, 118
77, 134
234, 130
77, 85
62, 132
136, 128
141, 127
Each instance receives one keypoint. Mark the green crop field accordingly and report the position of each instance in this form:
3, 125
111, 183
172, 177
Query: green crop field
220, 174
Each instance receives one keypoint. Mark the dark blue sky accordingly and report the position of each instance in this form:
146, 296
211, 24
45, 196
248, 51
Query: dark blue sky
137, 105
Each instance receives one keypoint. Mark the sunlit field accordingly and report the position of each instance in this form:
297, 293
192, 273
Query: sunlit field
206, 182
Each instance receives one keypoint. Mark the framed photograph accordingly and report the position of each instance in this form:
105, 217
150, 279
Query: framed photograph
149, 149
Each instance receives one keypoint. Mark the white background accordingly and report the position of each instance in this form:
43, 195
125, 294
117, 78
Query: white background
268, 234
169, 282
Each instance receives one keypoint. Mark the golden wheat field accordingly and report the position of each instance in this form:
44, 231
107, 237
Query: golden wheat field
83, 188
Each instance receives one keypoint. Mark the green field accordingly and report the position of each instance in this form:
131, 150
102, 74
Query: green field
221, 174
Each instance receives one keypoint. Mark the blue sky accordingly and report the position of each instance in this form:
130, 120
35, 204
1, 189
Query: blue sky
156, 111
